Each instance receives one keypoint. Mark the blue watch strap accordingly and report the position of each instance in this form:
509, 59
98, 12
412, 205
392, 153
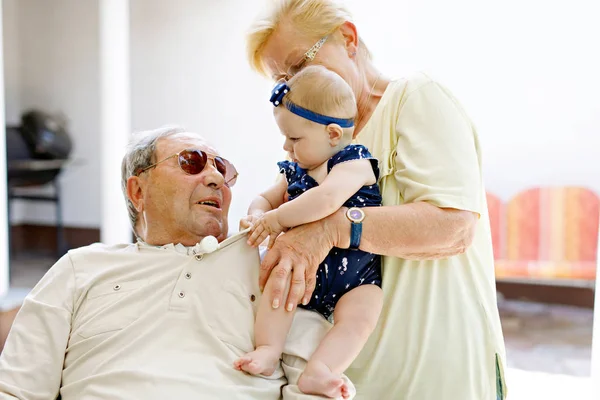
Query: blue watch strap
355, 235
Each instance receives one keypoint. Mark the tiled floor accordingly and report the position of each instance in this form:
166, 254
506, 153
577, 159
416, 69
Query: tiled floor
548, 346
547, 338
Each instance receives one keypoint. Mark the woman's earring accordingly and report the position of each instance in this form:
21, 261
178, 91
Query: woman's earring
353, 54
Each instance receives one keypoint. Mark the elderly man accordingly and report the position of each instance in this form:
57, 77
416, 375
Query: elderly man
164, 317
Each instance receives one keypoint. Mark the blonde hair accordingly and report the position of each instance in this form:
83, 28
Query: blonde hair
322, 91
314, 18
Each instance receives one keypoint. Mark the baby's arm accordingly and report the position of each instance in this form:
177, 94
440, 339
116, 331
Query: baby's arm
260, 216
271, 198
266, 201
344, 180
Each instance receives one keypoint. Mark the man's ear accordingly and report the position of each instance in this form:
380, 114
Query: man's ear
135, 192
335, 133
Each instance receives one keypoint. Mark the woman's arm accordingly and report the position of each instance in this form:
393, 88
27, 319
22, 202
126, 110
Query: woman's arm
416, 231
412, 231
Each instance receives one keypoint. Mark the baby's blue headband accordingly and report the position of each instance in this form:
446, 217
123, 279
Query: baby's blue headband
277, 98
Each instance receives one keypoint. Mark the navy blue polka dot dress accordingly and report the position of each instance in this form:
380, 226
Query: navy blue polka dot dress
343, 269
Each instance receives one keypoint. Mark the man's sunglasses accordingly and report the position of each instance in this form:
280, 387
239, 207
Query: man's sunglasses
193, 161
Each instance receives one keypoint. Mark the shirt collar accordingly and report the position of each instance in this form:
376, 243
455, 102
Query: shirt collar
193, 250
179, 248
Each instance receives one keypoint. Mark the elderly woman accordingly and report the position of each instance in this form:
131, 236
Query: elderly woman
439, 335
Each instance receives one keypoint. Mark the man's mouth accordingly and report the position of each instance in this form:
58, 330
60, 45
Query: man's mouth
209, 203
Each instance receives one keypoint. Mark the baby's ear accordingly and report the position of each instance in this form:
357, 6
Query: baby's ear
335, 133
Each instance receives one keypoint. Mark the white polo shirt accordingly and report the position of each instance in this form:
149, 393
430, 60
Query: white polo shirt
142, 322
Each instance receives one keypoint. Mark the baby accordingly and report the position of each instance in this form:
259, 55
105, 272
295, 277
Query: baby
315, 112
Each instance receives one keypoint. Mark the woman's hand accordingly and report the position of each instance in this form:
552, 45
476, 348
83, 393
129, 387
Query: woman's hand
299, 251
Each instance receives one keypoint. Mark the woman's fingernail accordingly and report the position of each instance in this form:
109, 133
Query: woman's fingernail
290, 307
304, 301
276, 303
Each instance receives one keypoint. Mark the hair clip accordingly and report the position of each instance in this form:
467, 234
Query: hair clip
278, 92
312, 52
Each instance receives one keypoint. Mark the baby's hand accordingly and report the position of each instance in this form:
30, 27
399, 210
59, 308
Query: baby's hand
248, 221
266, 225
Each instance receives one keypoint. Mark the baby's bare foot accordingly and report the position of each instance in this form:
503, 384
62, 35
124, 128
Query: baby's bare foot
262, 361
318, 379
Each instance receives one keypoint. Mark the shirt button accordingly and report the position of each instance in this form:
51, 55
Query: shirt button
116, 287
252, 297
188, 276
181, 294
199, 257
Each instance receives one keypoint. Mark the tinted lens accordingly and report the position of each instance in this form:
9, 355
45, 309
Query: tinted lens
231, 173
192, 161
221, 166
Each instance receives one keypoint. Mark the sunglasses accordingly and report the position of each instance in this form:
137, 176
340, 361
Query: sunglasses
193, 162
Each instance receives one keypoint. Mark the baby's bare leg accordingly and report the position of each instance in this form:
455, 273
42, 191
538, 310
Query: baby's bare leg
355, 317
270, 332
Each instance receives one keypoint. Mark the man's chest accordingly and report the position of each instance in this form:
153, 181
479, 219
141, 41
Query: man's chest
171, 301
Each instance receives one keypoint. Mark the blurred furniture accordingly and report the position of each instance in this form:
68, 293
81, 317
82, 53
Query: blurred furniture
496, 211
546, 235
36, 153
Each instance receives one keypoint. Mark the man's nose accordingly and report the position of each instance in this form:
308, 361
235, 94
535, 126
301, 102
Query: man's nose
211, 175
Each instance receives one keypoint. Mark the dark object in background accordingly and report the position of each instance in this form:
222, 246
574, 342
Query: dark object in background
24, 170
36, 152
41, 136
46, 135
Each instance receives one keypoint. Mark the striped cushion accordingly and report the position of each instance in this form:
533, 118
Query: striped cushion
496, 210
550, 232
581, 270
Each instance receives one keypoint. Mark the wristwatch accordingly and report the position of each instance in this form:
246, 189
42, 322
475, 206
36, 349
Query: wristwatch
356, 217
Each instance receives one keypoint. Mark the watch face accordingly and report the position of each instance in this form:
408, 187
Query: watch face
355, 214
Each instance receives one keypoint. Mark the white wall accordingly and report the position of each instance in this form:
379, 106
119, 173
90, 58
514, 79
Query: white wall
525, 71
12, 77
58, 72
10, 35
4, 240
189, 68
